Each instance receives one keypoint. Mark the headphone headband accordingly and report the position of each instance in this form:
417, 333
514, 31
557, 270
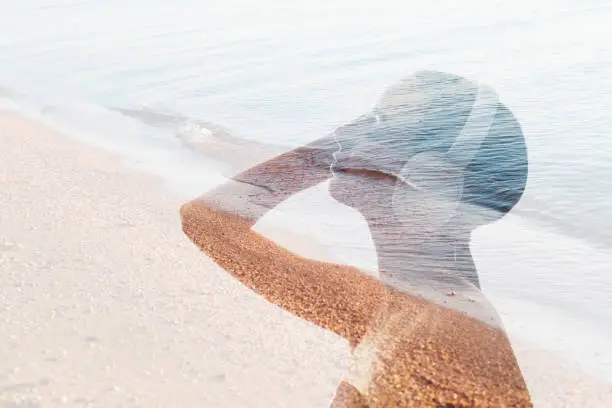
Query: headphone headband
476, 127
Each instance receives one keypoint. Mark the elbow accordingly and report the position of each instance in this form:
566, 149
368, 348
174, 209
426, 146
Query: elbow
189, 220
185, 212
198, 221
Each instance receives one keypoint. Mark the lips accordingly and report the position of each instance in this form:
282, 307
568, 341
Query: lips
364, 171
363, 167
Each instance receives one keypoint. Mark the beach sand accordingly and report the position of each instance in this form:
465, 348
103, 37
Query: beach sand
105, 302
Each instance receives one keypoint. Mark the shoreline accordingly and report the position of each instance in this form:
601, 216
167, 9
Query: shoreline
89, 319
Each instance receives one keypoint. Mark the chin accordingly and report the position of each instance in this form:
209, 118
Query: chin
344, 190
336, 189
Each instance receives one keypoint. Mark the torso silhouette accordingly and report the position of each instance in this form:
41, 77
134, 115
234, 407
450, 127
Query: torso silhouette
422, 335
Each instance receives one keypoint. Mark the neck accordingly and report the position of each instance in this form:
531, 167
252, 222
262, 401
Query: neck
441, 258
438, 268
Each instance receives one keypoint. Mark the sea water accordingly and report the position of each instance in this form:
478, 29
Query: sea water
288, 73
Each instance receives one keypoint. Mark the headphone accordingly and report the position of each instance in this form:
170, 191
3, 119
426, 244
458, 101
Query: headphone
436, 179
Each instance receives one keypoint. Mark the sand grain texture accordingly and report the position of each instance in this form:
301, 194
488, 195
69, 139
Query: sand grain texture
428, 355
105, 302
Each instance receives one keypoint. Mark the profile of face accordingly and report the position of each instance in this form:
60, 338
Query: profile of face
422, 115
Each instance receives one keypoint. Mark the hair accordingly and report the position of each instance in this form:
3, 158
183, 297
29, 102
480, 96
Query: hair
437, 105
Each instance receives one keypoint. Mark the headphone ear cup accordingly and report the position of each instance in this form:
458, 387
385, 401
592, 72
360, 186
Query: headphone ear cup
431, 191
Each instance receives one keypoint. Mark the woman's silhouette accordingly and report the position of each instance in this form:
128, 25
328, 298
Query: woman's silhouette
423, 334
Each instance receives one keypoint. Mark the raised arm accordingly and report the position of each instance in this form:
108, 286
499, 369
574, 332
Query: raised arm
255, 191
338, 298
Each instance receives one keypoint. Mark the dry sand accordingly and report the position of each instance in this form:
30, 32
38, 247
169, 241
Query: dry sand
104, 301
